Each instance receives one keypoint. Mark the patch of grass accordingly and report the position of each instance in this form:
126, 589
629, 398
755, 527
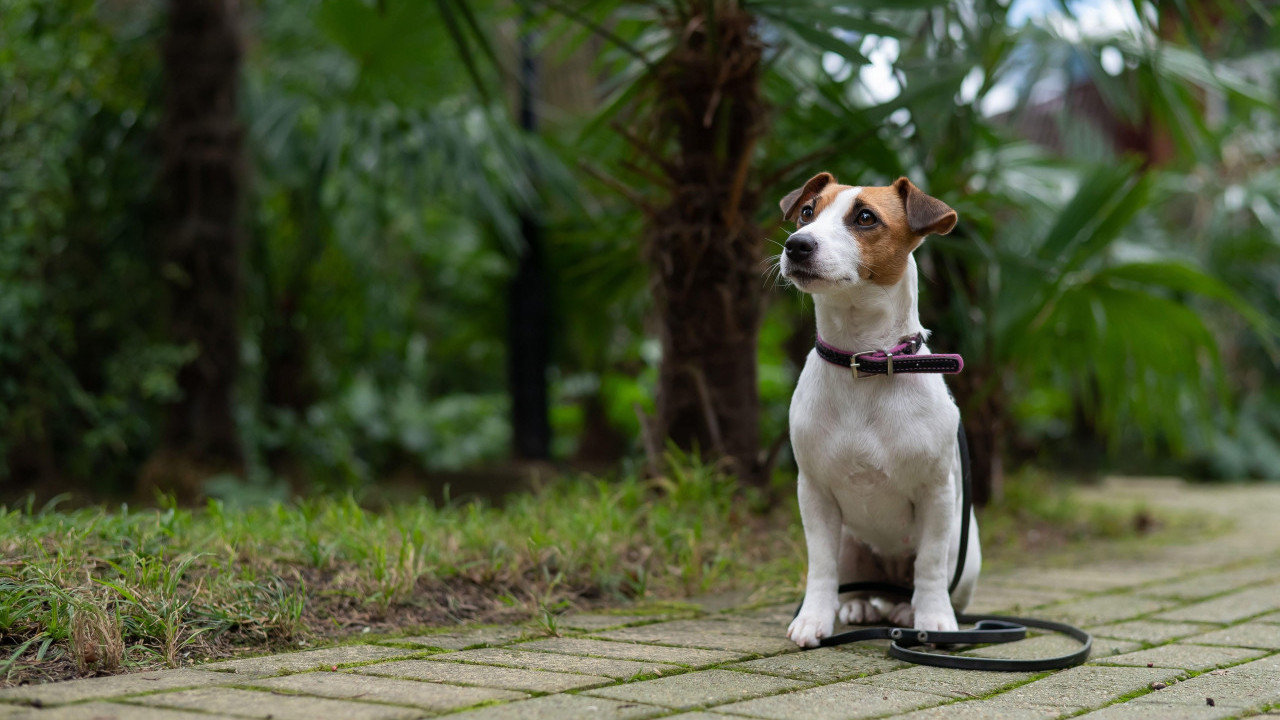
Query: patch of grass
95, 590
169, 585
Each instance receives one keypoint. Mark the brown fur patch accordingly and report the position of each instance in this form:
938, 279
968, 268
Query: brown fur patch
886, 244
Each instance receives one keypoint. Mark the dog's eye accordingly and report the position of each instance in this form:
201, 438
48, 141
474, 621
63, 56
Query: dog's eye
806, 213
865, 218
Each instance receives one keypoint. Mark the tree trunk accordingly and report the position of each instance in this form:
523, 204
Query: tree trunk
528, 307
703, 249
202, 176
984, 426
977, 390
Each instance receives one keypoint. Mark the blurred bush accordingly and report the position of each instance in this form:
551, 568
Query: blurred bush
1113, 283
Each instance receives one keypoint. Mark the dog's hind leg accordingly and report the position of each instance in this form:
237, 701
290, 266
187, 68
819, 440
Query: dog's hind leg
858, 563
972, 567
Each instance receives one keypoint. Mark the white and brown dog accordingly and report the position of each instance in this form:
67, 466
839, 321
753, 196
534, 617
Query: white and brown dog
879, 483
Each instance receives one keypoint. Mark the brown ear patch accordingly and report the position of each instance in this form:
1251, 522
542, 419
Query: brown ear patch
792, 201
926, 215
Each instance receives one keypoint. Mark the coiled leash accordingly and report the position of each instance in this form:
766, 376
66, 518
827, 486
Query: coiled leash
987, 628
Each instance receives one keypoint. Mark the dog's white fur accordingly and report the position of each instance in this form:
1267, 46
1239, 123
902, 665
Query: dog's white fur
879, 482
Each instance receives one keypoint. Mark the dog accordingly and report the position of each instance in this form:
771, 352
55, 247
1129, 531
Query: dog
879, 461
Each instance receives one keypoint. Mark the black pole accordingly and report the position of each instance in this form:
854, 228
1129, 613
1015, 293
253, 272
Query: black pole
528, 309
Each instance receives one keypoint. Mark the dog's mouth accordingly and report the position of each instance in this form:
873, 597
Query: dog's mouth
802, 277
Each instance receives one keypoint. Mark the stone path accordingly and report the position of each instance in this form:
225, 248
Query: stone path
1199, 621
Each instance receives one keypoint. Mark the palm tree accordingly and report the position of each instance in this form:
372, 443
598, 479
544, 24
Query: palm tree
1034, 266
694, 114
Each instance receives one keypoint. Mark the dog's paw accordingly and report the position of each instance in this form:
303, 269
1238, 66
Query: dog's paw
808, 628
859, 611
902, 615
941, 620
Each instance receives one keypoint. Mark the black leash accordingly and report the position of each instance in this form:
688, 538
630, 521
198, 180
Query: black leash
987, 628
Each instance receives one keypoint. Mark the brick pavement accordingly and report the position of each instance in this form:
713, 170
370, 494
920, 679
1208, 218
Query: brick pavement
1201, 618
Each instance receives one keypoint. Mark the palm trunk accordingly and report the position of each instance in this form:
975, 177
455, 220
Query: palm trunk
984, 426
528, 305
202, 146
703, 249
978, 392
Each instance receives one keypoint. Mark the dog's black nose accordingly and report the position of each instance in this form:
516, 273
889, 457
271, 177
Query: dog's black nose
799, 246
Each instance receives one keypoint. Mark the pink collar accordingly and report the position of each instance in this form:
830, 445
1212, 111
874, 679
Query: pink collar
900, 358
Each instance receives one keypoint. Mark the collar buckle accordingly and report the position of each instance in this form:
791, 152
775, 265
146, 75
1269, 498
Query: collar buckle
858, 373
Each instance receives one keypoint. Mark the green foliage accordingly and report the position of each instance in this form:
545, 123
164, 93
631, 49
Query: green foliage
387, 181
81, 366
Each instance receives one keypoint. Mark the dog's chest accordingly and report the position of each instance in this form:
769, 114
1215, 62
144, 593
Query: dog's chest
872, 446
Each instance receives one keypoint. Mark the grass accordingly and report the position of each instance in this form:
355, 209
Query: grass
98, 590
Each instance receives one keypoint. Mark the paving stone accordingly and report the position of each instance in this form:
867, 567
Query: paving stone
1250, 634
1150, 631
1105, 647
779, 612
749, 644
988, 709
563, 707
484, 675
704, 634
841, 701
822, 665
308, 660
1005, 598
110, 711
258, 704
691, 657
1097, 578
1229, 608
702, 715
618, 669
602, 621
116, 686
350, 686
1086, 686
1160, 711
1104, 609
1052, 645
1212, 583
466, 639
700, 689
1187, 657
1272, 618
1251, 686
948, 681
745, 626
728, 600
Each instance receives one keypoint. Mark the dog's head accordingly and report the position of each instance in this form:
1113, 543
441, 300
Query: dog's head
847, 236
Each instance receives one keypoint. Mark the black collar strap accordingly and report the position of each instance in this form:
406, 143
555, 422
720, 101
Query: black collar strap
900, 358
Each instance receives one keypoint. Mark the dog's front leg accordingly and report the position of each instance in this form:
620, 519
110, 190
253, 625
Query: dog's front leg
935, 514
821, 517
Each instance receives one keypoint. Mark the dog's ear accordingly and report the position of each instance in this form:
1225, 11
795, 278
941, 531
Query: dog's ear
792, 200
926, 215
